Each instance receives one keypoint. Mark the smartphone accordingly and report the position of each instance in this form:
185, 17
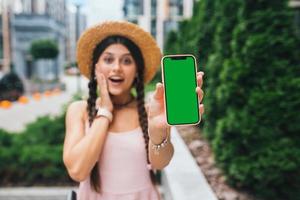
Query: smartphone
179, 76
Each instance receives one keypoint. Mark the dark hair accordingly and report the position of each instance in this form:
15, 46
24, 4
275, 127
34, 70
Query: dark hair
139, 86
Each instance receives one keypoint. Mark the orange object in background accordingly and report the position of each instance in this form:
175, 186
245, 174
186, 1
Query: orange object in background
5, 104
47, 93
37, 96
56, 91
23, 99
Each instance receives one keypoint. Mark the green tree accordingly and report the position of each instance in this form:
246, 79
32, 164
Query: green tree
45, 48
11, 87
172, 43
224, 22
257, 142
250, 55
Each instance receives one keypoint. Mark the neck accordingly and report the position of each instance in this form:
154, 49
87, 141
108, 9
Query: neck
121, 99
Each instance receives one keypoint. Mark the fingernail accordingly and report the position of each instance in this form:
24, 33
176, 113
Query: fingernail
157, 85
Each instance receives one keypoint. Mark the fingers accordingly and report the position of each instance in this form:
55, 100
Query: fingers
159, 91
103, 85
201, 109
200, 73
200, 78
200, 93
200, 83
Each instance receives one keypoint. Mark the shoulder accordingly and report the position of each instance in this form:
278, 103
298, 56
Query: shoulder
77, 108
77, 105
80, 107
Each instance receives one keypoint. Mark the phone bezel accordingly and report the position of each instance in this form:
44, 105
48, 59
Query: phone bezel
163, 80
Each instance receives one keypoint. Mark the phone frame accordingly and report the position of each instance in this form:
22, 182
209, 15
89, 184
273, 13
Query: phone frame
163, 81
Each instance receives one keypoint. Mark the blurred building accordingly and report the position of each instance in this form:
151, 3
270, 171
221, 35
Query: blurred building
158, 16
30, 20
295, 4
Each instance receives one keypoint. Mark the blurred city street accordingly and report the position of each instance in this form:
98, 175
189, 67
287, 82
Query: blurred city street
15, 118
35, 193
246, 145
72, 83
52, 105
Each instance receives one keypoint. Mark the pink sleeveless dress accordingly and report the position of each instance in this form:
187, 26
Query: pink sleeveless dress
124, 174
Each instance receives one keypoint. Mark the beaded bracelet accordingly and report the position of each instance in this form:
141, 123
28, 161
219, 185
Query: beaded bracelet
157, 147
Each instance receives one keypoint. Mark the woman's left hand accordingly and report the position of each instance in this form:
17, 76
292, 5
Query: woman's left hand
156, 108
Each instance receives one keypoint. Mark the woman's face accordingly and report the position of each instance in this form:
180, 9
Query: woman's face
118, 67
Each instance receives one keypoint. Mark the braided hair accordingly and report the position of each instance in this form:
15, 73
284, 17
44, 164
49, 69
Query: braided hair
139, 86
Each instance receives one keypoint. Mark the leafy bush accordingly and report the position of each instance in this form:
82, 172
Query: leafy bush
34, 156
257, 142
44, 49
42, 164
11, 87
46, 131
252, 84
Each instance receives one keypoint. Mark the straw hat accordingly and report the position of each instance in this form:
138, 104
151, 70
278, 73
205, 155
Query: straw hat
94, 35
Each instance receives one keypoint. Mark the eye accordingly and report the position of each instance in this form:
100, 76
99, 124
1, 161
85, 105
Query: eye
127, 61
108, 60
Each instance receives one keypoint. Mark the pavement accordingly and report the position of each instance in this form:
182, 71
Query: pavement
36, 193
41, 193
18, 115
15, 118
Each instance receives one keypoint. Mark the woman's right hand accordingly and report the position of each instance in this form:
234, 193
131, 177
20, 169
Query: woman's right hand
105, 101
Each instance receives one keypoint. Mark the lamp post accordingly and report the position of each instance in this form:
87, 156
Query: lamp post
6, 36
77, 37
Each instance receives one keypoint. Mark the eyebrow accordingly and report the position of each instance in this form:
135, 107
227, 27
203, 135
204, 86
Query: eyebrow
125, 54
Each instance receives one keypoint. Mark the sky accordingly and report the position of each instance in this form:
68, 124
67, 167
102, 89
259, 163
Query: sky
100, 10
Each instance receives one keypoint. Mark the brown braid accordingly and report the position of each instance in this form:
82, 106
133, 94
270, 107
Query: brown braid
91, 108
143, 118
139, 86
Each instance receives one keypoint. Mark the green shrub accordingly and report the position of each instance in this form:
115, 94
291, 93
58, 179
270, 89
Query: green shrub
11, 87
9, 165
257, 140
222, 23
250, 55
6, 139
42, 164
34, 157
45, 130
44, 49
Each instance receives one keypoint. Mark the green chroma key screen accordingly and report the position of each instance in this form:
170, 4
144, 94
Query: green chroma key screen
179, 75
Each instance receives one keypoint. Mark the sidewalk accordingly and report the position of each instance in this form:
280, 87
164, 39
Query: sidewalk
38, 193
16, 117
35, 193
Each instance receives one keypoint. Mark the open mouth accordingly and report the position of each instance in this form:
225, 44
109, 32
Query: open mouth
116, 81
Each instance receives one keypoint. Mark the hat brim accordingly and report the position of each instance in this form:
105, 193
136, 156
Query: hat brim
94, 35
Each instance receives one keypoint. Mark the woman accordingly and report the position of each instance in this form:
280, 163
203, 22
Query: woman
111, 137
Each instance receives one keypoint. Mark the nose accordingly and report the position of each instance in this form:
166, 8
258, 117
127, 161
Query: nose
116, 66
